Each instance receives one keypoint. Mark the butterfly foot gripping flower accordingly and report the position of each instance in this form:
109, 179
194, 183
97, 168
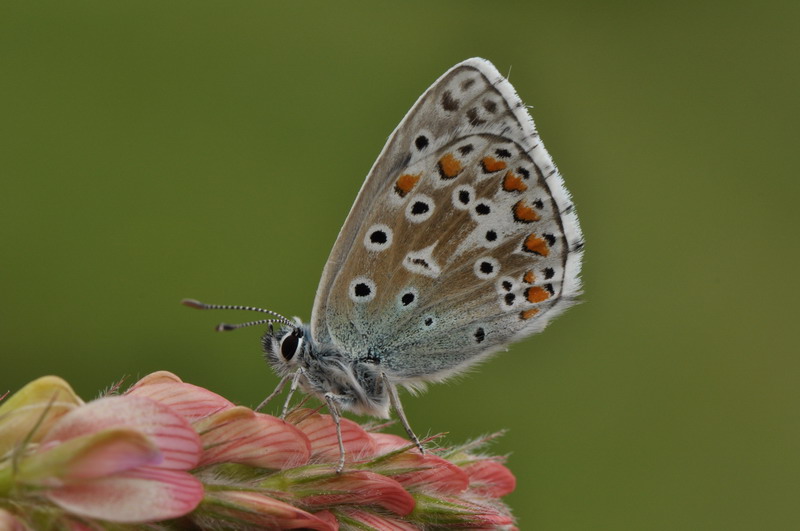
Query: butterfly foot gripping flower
167, 454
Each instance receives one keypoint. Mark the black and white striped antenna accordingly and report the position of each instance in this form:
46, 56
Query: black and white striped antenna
224, 327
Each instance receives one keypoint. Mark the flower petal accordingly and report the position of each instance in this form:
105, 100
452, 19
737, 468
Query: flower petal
459, 512
9, 522
328, 517
240, 435
361, 519
157, 377
190, 401
173, 435
88, 456
242, 507
428, 473
358, 487
490, 478
142, 495
321, 431
388, 442
42, 401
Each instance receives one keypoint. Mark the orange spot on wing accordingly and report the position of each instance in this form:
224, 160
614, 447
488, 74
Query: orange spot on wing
524, 213
405, 183
536, 294
449, 166
491, 164
527, 314
529, 277
534, 244
513, 183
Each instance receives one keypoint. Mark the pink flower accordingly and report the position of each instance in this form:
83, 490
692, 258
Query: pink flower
240, 435
228, 433
122, 459
490, 478
168, 449
357, 518
241, 508
427, 472
9, 522
321, 433
189, 401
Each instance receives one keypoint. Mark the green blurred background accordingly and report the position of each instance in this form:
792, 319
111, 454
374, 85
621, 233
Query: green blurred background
152, 151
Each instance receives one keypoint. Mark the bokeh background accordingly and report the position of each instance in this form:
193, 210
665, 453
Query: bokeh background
151, 151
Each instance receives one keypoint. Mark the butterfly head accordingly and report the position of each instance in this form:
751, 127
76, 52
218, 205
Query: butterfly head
286, 348
356, 383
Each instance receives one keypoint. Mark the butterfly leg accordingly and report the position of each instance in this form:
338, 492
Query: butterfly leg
394, 399
334, 410
292, 389
274, 393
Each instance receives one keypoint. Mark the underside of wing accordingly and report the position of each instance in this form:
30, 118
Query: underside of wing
462, 239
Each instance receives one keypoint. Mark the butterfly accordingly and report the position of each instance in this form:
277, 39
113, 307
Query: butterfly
463, 239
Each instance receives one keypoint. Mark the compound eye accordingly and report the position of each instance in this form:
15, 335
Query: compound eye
291, 343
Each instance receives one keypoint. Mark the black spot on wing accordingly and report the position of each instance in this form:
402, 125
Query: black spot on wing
449, 103
474, 119
362, 290
419, 208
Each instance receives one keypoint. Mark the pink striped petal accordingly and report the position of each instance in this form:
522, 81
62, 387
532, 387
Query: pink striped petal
360, 519
87, 457
328, 517
142, 495
240, 435
157, 377
388, 442
428, 473
359, 487
490, 478
172, 434
242, 507
486, 517
190, 401
462, 513
321, 431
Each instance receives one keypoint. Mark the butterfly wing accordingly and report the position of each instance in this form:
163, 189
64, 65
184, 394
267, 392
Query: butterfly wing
462, 239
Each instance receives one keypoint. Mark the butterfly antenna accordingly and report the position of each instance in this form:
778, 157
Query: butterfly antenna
224, 327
